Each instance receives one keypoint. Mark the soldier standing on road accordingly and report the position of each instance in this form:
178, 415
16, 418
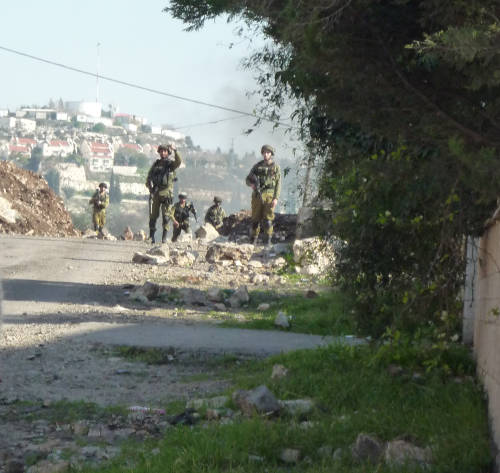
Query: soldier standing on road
160, 182
215, 214
99, 201
265, 180
181, 215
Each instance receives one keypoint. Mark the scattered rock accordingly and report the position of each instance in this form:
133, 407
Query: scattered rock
46, 466
229, 251
182, 258
159, 250
215, 294
279, 371
260, 400
140, 236
367, 448
206, 232
263, 307
290, 455
400, 452
214, 403
143, 258
282, 320
297, 407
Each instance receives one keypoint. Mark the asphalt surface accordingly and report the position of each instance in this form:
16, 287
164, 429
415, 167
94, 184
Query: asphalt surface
57, 276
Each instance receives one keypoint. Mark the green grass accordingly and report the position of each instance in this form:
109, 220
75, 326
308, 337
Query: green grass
63, 412
326, 314
151, 356
353, 394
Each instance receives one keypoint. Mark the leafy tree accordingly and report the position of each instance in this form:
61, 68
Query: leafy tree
145, 129
398, 100
130, 157
99, 128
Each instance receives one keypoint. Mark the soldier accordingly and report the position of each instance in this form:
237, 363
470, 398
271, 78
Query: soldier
215, 214
99, 201
265, 180
160, 182
181, 215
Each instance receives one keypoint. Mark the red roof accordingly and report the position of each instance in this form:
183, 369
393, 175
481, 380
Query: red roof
58, 143
27, 141
18, 149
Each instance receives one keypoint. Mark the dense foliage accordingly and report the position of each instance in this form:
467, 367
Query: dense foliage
399, 101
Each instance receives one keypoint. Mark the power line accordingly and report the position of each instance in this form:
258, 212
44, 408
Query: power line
147, 89
213, 122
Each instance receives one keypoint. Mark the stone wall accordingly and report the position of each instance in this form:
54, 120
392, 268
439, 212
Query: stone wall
487, 323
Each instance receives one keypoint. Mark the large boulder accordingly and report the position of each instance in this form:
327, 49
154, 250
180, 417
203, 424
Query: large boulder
313, 255
259, 400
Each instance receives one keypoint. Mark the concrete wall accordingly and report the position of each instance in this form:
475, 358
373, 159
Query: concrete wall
487, 323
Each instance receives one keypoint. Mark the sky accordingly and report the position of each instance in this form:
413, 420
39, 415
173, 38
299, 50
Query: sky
135, 42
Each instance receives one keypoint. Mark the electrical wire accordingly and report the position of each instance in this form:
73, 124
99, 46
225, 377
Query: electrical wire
213, 122
147, 89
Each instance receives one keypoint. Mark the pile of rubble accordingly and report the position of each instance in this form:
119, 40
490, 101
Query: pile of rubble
28, 206
237, 226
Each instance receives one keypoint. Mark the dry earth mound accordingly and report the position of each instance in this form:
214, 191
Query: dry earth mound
28, 206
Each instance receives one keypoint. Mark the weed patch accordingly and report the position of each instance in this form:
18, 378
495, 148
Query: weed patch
353, 394
327, 314
151, 356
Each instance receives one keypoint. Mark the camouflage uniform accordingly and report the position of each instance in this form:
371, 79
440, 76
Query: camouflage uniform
181, 215
100, 200
267, 178
160, 182
215, 216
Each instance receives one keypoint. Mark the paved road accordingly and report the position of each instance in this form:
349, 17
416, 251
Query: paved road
57, 276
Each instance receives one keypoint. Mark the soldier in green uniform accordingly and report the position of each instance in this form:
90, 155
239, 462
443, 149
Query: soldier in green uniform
160, 182
181, 215
265, 180
215, 214
99, 201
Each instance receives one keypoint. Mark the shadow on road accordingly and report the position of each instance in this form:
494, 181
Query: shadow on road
57, 292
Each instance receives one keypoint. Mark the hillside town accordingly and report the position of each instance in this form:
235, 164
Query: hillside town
76, 145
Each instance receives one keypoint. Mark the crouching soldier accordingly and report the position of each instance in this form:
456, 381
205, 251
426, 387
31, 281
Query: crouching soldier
265, 180
99, 201
182, 209
160, 182
215, 214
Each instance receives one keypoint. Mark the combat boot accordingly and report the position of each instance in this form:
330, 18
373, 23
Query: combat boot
164, 236
152, 236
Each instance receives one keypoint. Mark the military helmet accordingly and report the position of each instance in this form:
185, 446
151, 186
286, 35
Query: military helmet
103, 184
267, 148
162, 148
183, 195
217, 200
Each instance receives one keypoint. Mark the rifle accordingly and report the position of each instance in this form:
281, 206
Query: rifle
255, 181
193, 211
